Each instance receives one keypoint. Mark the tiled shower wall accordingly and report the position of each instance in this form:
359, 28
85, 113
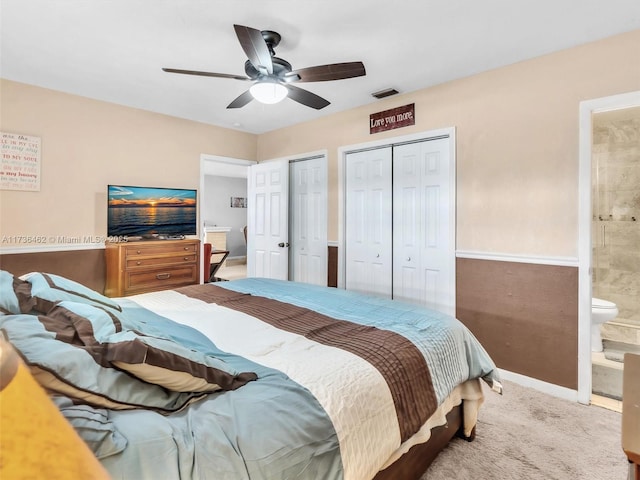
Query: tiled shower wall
616, 214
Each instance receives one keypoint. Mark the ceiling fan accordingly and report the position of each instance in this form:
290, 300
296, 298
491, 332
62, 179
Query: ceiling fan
272, 77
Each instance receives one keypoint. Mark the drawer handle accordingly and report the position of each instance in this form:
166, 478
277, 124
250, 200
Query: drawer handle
187, 248
138, 263
186, 259
163, 276
138, 251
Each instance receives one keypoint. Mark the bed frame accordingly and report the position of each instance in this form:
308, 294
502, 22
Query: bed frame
413, 464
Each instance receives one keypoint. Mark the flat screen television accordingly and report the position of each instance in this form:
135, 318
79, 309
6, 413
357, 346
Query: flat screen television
151, 212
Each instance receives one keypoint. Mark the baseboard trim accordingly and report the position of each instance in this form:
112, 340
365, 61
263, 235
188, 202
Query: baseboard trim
544, 387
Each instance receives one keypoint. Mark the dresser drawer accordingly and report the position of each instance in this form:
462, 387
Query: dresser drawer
160, 248
160, 279
142, 262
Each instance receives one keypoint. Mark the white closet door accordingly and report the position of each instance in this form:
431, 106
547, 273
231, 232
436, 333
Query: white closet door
268, 220
308, 193
368, 247
424, 248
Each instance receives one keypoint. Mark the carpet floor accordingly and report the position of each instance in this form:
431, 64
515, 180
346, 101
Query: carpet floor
526, 434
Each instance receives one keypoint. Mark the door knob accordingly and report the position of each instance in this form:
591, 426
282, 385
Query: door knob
283, 244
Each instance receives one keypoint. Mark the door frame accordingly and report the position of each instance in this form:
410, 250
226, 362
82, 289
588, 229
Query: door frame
414, 137
230, 162
587, 109
224, 163
299, 157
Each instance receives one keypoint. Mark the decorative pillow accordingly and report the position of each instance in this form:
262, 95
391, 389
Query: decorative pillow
82, 352
91, 324
80, 371
93, 425
160, 361
15, 295
164, 362
49, 289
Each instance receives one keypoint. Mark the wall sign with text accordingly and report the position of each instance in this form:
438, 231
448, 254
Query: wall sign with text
20, 162
394, 118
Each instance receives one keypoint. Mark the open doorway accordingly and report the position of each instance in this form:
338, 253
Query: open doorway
223, 214
603, 214
307, 208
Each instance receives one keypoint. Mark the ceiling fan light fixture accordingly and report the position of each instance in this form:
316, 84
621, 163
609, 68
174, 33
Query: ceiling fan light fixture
268, 91
273, 77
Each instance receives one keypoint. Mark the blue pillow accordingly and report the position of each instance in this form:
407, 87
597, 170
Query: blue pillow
15, 295
153, 358
163, 362
89, 322
83, 352
48, 289
80, 372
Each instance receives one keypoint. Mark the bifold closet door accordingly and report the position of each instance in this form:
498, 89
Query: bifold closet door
368, 247
423, 269
308, 220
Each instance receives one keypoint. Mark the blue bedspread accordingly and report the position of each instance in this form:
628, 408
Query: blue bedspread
302, 409
452, 352
269, 428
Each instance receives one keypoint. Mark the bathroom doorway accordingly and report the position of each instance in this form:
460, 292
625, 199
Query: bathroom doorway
609, 238
615, 164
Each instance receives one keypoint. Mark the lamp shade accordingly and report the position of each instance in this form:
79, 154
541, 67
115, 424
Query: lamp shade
37, 440
268, 91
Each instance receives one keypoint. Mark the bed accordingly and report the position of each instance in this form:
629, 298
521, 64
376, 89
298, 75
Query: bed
249, 379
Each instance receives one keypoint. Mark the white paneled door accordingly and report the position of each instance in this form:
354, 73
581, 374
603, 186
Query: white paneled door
424, 248
308, 221
400, 222
267, 213
368, 247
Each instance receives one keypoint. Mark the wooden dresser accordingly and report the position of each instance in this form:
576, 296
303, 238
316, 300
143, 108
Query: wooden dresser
139, 267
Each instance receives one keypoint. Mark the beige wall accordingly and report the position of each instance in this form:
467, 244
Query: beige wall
517, 143
517, 181
517, 148
87, 144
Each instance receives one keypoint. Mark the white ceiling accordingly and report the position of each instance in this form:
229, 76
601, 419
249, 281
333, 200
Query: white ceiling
113, 50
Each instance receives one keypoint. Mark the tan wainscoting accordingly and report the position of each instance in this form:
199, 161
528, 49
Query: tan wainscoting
525, 315
84, 266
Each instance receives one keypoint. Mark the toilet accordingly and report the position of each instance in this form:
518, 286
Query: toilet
601, 311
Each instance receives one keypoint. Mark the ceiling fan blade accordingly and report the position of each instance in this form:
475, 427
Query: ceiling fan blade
206, 74
334, 71
307, 98
255, 47
241, 101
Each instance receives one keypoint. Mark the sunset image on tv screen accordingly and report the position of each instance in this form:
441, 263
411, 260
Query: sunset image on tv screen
140, 211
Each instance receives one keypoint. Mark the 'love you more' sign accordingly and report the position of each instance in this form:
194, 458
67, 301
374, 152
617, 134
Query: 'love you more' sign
394, 118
